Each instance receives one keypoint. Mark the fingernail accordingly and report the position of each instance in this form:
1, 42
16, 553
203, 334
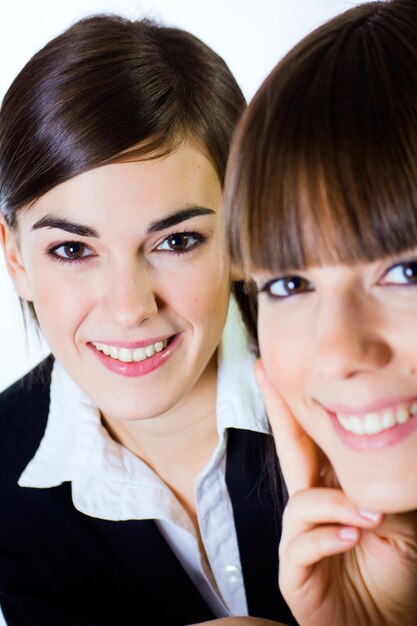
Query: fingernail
347, 533
371, 516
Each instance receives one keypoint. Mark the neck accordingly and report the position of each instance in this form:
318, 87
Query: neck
184, 435
178, 444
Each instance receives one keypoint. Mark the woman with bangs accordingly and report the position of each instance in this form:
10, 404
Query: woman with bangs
322, 221
132, 460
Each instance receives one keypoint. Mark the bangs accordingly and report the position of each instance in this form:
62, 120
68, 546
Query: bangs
324, 165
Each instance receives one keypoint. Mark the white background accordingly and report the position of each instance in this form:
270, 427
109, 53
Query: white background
251, 35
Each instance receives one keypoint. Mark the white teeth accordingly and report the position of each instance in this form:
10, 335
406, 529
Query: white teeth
128, 356
139, 354
403, 415
358, 427
373, 423
388, 419
345, 421
125, 355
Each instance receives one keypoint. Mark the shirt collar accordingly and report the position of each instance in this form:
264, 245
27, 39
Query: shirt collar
76, 447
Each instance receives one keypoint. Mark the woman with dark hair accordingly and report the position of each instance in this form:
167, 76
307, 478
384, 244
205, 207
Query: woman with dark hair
132, 460
322, 222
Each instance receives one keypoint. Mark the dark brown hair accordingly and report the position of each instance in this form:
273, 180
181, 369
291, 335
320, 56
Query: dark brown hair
110, 89
324, 166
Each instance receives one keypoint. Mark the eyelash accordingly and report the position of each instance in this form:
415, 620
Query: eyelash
52, 251
266, 288
406, 263
200, 239
402, 265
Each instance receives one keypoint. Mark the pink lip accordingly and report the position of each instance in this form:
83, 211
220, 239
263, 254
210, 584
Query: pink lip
383, 439
142, 367
379, 405
131, 345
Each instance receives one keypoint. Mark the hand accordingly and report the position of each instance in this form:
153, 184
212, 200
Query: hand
338, 565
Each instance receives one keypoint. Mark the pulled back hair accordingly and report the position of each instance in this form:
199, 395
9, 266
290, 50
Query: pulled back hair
324, 165
110, 89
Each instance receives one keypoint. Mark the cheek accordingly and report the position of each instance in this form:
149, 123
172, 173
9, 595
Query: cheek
286, 358
203, 292
282, 351
60, 307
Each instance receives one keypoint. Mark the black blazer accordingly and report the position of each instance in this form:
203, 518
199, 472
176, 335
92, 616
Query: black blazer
59, 567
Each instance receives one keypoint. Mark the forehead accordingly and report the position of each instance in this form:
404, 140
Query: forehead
140, 190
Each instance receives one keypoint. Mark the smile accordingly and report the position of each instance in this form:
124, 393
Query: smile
126, 355
377, 421
138, 358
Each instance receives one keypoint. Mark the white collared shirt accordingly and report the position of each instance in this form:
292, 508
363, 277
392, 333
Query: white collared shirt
110, 482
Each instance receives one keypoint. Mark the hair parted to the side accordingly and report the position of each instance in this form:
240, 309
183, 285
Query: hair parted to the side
323, 168
111, 89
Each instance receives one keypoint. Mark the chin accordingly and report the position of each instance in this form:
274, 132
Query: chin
135, 412
382, 497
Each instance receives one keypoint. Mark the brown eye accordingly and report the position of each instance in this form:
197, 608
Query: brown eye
287, 286
410, 271
401, 274
181, 242
73, 250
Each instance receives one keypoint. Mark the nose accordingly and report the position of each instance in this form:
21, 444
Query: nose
129, 296
349, 340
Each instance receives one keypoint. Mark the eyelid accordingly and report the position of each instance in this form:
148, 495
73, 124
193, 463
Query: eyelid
54, 247
51, 251
199, 237
304, 287
265, 285
394, 265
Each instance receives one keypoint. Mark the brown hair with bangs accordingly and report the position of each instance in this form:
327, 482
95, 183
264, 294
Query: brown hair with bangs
324, 165
110, 89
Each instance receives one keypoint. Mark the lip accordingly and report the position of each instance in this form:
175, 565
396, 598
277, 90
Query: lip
141, 368
132, 345
381, 440
372, 407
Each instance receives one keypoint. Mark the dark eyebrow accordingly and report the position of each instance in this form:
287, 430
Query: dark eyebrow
177, 217
50, 221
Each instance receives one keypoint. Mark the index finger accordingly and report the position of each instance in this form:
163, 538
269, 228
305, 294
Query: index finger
297, 453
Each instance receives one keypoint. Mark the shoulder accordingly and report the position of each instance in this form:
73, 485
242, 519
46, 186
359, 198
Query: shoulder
23, 415
27, 395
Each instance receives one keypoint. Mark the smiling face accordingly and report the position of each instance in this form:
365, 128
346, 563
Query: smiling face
125, 267
339, 343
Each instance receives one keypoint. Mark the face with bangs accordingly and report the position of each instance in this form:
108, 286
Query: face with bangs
323, 217
339, 343
125, 268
